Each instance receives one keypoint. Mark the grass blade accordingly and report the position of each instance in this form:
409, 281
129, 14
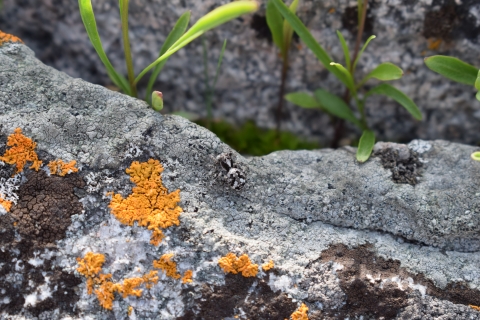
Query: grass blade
336, 106
287, 28
219, 64
365, 146
397, 95
211, 20
345, 49
307, 38
88, 18
126, 46
361, 51
177, 31
453, 69
275, 24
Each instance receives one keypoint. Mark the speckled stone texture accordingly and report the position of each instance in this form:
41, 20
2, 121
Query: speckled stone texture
394, 238
248, 85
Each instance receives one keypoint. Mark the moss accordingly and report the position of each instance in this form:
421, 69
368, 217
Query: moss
150, 204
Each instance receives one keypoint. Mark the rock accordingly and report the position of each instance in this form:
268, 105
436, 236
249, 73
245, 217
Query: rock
394, 238
407, 32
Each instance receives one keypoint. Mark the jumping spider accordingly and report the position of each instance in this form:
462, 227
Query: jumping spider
235, 176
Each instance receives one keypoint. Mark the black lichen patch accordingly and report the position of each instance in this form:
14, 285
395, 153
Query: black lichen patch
451, 21
350, 21
45, 206
251, 297
405, 169
27, 235
367, 297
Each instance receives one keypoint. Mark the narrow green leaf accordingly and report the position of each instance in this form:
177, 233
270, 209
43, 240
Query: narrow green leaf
345, 49
177, 31
287, 28
349, 82
397, 95
88, 18
365, 146
385, 72
336, 106
307, 37
361, 52
157, 100
453, 69
211, 20
477, 81
275, 24
303, 99
219, 64
478, 95
476, 156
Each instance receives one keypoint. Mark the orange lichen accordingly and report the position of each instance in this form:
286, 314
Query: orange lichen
434, 44
231, 264
6, 204
187, 276
128, 288
5, 37
268, 266
21, 150
150, 279
166, 264
130, 309
301, 313
61, 168
150, 204
474, 307
91, 264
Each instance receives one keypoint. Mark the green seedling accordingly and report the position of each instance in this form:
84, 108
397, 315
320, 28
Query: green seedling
176, 40
209, 90
340, 107
282, 34
459, 71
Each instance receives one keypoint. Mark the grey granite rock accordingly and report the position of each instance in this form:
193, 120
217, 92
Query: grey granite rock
248, 85
396, 237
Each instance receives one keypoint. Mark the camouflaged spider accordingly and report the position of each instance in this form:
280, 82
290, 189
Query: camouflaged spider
235, 176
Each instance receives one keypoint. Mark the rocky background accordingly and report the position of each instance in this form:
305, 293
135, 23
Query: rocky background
407, 31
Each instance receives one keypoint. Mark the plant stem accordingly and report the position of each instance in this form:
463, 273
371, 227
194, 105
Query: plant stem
361, 27
126, 46
281, 92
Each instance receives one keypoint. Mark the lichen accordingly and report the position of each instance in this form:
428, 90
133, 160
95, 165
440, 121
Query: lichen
5, 37
474, 307
231, 264
102, 285
166, 264
268, 266
6, 204
187, 276
22, 149
61, 168
150, 204
300, 313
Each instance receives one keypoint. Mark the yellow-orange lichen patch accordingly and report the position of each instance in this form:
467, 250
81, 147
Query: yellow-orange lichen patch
91, 264
7, 205
187, 276
268, 266
5, 37
474, 307
21, 150
130, 309
300, 313
61, 168
166, 264
231, 264
150, 279
150, 204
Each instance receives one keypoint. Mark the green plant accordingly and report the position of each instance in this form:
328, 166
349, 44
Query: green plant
459, 71
333, 104
176, 40
209, 88
282, 34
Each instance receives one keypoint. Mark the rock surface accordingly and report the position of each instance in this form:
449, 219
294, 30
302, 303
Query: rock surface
394, 238
407, 31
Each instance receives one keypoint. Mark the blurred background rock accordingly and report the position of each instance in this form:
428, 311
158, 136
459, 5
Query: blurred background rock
406, 30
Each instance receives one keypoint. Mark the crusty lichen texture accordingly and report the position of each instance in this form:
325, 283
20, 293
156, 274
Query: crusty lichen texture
150, 204
61, 168
5, 37
301, 313
22, 149
231, 264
